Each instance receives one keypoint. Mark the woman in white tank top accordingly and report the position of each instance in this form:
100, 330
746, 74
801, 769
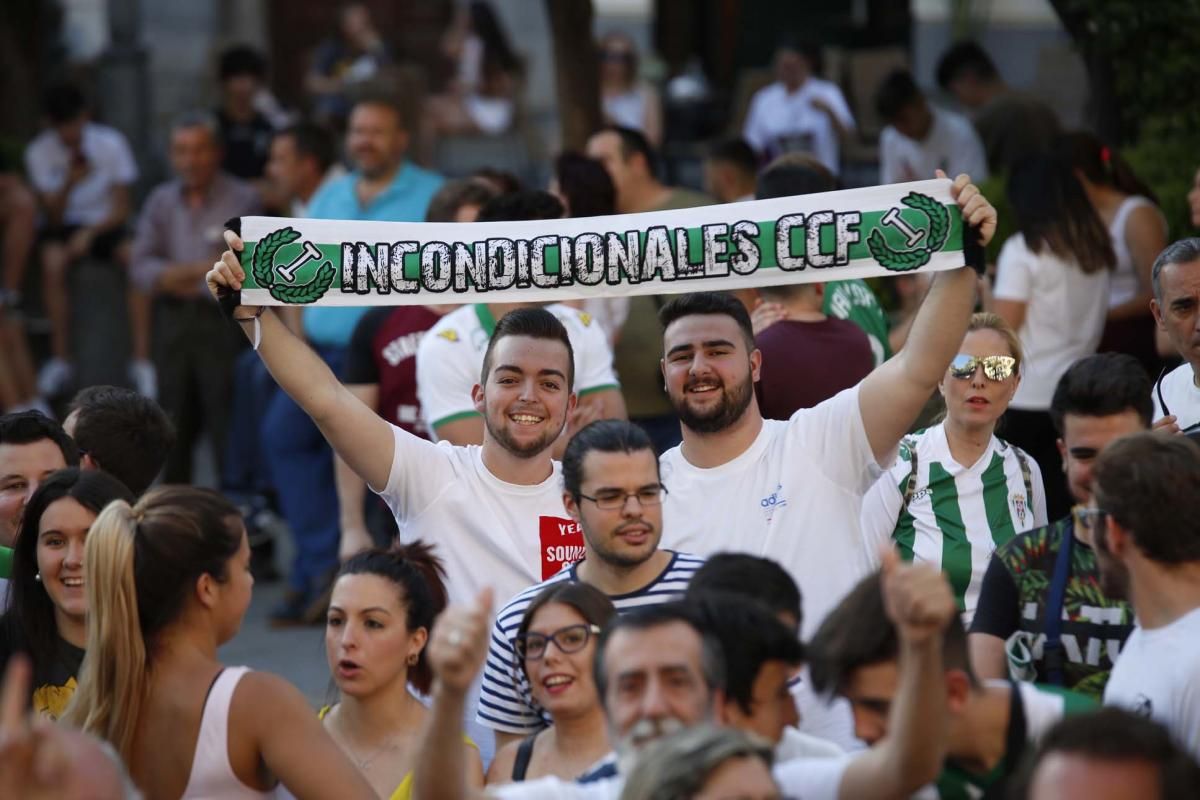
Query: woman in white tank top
168, 582
627, 100
1139, 233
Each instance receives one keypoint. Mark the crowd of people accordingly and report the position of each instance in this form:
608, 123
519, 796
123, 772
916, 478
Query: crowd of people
766, 543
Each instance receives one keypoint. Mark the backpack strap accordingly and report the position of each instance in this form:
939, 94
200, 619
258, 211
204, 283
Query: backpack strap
1026, 472
910, 483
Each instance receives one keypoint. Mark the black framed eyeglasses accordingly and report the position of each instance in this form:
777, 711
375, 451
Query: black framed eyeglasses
612, 499
571, 639
995, 368
1090, 518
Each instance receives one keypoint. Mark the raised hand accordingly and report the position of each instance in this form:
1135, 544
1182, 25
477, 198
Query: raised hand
459, 643
917, 598
976, 210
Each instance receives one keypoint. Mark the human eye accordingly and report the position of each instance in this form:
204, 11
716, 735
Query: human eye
573, 637
53, 540
374, 624
334, 621
610, 496
15, 485
650, 494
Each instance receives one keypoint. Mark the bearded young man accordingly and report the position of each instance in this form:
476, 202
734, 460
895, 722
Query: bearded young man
791, 491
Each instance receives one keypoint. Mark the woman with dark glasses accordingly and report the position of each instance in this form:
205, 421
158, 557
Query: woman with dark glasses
957, 492
556, 645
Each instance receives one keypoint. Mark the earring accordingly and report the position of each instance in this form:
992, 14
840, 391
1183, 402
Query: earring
38, 577
412, 659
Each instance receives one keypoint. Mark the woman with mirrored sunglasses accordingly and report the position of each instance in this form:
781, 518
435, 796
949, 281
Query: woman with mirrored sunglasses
556, 645
957, 491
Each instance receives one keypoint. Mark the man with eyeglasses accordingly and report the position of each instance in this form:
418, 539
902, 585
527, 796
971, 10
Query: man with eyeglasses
1041, 613
1145, 517
659, 669
1176, 306
612, 490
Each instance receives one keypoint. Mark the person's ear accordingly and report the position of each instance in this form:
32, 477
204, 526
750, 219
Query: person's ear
571, 506
755, 364
958, 690
417, 640
87, 462
478, 399
1062, 451
1157, 311
1116, 538
207, 590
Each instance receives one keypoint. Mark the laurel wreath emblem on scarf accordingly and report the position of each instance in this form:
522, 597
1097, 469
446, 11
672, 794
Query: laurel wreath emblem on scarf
262, 266
908, 260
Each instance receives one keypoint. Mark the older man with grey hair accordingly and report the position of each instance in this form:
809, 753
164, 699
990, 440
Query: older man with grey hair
1176, 307
179, 235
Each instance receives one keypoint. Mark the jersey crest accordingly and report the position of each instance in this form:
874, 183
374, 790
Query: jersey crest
450, 335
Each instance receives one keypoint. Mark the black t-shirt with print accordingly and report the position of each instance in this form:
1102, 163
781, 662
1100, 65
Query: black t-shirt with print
55, 679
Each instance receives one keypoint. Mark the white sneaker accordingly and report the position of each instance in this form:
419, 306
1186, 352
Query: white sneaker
144, 377
54, 377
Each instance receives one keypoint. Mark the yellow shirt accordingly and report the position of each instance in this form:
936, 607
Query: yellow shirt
404, 790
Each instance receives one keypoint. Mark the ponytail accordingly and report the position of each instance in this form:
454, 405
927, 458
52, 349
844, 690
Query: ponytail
1101, 164
112, 685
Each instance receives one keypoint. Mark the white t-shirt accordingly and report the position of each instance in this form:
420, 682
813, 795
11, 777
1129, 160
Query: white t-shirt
779, 122
505, 704
957, 516
1064, 315
793, 496
1125, 280
48, 162
952, 145
1182, 397
1158, 676
450, 358
805, 778
487, 532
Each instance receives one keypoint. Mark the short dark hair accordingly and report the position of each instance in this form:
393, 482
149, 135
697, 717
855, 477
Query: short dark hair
1183, 251
419, 578
897, 92
27, 427
794, 174
29, 616
63, 103
521, 205
605, 436
126, 434
1115, 734
1150, 484
858, 633
591, 604
586, 184
634, 142
455, 194
240, 59
965, 58
536, 323
750, 636
751, 576
656, 616
313, 141
687, 305
381, 97
1101, 385
736, 152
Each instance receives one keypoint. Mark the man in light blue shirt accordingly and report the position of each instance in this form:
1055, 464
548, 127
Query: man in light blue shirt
384, 186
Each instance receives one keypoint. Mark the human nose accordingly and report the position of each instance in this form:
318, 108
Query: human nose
74, 556
654, 704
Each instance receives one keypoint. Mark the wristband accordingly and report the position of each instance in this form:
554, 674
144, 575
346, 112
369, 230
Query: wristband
974, 253
257, 326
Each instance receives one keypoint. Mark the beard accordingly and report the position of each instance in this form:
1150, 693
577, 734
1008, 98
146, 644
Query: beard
1114, 577
729, 410
609, 554
643, 732
526, 449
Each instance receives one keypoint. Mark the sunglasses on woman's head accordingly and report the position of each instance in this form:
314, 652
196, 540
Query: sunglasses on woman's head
995, 368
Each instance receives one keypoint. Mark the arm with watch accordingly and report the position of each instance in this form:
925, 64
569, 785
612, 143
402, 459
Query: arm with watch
892, 396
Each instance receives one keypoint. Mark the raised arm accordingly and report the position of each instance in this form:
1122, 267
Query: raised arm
920, 603
457, 649
893, 395
360, 437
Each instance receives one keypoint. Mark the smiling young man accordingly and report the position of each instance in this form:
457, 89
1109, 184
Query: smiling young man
792, 490
611, 489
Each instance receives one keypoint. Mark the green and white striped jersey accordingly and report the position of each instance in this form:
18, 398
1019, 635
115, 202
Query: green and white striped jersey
940, 512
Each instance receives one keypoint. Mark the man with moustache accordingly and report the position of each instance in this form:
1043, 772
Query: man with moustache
611, 489
659, 670
791, 491
1145, 521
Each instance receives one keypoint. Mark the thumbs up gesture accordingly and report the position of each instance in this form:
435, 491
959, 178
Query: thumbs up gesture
459, 643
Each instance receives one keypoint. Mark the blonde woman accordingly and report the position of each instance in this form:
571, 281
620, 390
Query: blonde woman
168, 581
957, 492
